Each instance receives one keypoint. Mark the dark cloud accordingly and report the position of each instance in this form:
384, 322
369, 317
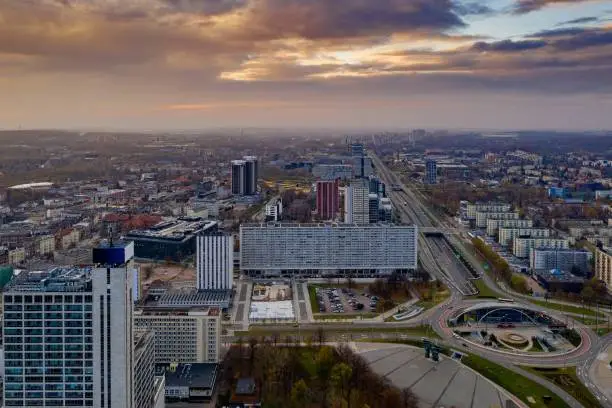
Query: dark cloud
509, 45
582, 20
472, 8
559, 32
594, 38
209, 7
527, 6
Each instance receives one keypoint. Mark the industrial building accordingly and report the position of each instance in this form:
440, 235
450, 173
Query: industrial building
334, 249
522, 246
561, 259
173, 239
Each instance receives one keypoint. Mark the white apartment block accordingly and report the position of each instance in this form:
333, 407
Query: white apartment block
182, 335
562, 259
45, 245
287, 249
493, 225
603, 266
215, 261
506, 235
482, 217
357, 204
522, 246
473, 208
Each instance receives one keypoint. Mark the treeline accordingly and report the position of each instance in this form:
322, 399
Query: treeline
308, 377
500, 267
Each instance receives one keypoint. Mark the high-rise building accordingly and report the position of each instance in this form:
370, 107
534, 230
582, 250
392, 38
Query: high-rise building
274, 210
215, 262
68, 335
356, 203
238, 177
431, 170
251, 174
328, 199
281, 249
362, 167
245, 176
564, 260
373, 205
603, 266
357, 150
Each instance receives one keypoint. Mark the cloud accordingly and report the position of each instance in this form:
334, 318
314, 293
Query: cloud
472, 8
593, 38
527, 6
559, 32
581, 20
509, 45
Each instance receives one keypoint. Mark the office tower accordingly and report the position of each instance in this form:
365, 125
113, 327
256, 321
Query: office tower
373, 208
144, 370
273, 249
357, 150
431, 169
356, 203
69, 330
328, 199
238, 177
215, 261
362, 167
251, 175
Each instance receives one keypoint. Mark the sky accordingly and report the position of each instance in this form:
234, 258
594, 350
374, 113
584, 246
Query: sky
384, 64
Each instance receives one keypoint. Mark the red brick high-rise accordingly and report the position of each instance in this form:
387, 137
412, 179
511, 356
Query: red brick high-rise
328, 199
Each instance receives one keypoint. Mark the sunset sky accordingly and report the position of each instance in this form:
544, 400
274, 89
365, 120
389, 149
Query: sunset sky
197, 64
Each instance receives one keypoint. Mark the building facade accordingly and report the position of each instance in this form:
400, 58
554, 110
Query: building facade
356, 204
328, 199
274, 210
238, 177
603, 266
45, 245
473, 208
182, 334
506, 235
215, 261
245, 176
290, 249
564, 260
522, 246
431, 172
493, 225
483, 216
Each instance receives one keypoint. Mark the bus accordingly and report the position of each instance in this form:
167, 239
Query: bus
505, 300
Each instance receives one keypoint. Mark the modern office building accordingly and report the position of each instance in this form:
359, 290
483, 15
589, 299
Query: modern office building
333, 171
187, 334
357, 150
523, 246
385, 210
148, 388
245, 175
431, 171
215, 262
173, 239
373, 208
473, 208
493, 225
335, 249
561, 259
356, 203
483, 216
238, 177
328, 199
506, 235
362, 167
377, 186
603, 266
68, 335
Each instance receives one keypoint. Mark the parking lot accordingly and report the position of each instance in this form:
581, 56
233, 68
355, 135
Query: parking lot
344, 300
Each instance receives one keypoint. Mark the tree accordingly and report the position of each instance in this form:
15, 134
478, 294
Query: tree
320, 336
300, 397
340, 376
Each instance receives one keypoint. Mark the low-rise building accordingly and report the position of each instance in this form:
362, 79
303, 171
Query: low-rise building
16, 256
182, 334
603, 266
522, 246
506, 235
67, 238
556, 280
188, 382
274, 210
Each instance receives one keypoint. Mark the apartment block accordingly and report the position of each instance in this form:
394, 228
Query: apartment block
603, 266
493, 225
506, 235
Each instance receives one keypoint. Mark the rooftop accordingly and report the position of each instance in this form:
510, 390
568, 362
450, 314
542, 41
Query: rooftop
200, 375
174, 229
320, 225
193, 299
556, 275
59, 279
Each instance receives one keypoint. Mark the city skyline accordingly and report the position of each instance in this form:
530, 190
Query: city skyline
186, 64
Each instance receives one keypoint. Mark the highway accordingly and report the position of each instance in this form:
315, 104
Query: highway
435, 254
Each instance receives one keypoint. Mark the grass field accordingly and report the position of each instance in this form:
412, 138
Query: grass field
567, 379
603, 331
484, 292
439, 297
312, 294
565, 308
516, 384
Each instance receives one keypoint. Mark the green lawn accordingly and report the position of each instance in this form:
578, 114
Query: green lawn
565, 308
484, 292
567, 379
312, 293
439, 297
516, 384
603, 331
